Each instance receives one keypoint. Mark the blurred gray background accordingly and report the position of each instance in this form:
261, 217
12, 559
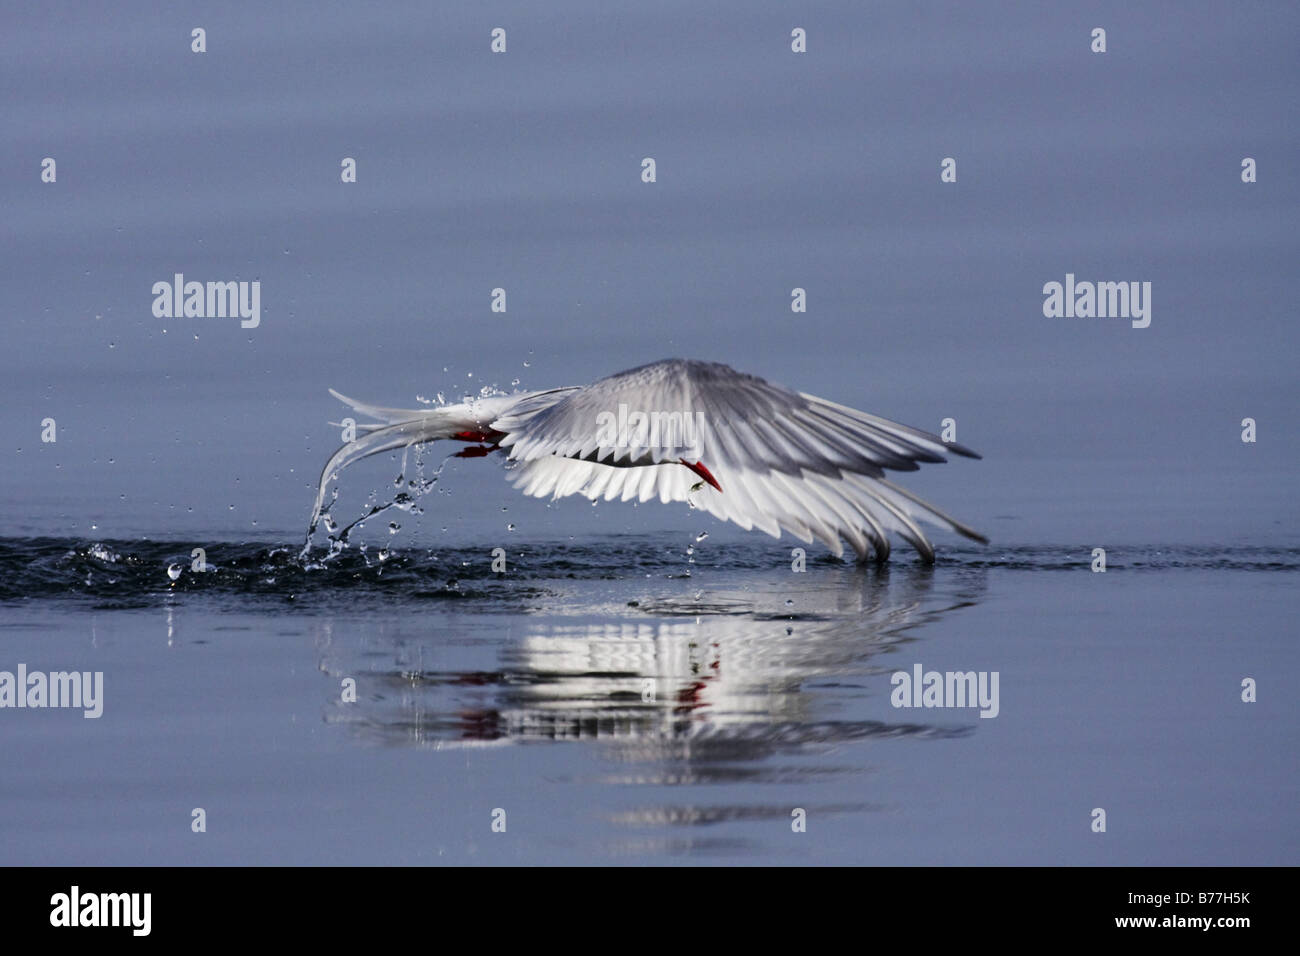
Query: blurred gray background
775, 170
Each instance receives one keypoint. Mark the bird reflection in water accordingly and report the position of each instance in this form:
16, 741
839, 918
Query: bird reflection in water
677, 689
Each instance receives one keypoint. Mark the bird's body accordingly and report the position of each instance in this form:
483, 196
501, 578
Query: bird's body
734, 445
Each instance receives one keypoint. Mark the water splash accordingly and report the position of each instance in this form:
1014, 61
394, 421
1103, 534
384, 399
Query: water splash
406, 500
127, 573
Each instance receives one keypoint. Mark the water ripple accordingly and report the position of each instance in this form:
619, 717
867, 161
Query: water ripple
143, 573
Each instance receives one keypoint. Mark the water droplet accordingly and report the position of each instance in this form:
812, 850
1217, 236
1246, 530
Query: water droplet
789, 602
510, 527
701, 536
394, 527
384, 554
174, 572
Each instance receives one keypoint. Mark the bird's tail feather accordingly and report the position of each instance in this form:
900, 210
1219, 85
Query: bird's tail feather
390, 415
405, 427
387, 438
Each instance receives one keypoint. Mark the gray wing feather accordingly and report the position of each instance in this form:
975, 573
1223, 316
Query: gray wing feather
785, 460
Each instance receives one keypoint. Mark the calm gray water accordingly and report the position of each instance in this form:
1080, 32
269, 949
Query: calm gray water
620, 698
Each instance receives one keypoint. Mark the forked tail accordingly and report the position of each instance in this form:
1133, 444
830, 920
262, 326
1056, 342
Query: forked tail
405, 427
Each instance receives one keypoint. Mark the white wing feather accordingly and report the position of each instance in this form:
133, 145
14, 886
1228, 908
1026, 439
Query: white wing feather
784, 460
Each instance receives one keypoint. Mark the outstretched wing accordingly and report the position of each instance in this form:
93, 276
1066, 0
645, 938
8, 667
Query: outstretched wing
781, 460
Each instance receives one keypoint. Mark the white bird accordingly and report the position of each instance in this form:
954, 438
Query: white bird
734, 445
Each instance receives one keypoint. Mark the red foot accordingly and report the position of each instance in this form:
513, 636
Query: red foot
488, 435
